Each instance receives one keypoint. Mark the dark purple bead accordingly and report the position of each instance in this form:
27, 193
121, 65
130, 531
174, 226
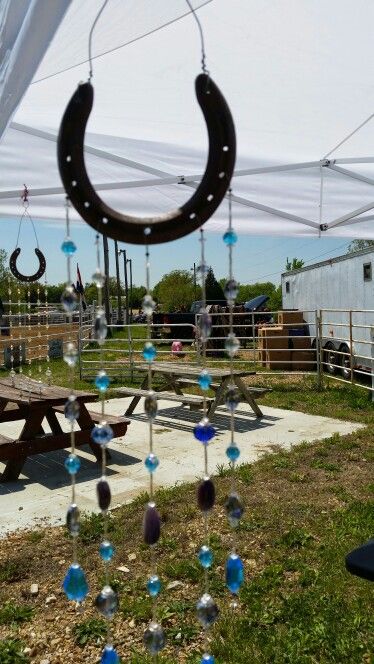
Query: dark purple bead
206, 494
151, 524
103, 494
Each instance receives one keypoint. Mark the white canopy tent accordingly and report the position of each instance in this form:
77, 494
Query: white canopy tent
296, 74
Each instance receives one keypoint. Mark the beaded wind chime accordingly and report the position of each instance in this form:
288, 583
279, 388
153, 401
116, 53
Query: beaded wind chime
145, 231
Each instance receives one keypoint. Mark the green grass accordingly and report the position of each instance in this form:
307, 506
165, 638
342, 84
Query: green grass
12, 614
90, 631
11, 652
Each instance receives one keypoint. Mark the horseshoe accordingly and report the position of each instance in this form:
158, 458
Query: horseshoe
172, 225
24, 277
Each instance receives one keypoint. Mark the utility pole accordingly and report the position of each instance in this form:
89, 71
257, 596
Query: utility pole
106, 285
194, 281
129, 260
123, 251
119, 303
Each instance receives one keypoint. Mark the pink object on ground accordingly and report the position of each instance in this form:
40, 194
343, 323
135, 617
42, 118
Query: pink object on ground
176, 347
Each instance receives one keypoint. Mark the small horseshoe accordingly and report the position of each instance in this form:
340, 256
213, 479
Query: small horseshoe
24, 277
175, 224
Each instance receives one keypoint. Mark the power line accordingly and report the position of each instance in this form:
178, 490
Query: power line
308, 261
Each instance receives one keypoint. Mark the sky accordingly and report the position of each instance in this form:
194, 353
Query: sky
256, 259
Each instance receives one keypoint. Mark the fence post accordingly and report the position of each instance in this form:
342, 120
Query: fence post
254, 341
318, 357
319, 349
350, 345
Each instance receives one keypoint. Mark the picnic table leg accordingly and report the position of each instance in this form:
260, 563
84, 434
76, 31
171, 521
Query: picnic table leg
32, 427
85, 421
53, 422
135, 401
248, 396
218, 397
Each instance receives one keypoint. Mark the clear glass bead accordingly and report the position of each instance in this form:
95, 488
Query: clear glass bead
70, 354
48, 375
149, 352
233, 453
109, 655
204, 431
230, 237
100, 327
154, 638
203, 269
72, 409
150, 406
232, 398
206, 610
148, 305
232, 344
102, 381
72, 464
68, 247
204, 322
205, 380
205, 556
234, 573
73, 520
106, 602
98, 278
231, 290
154, 585
106, 550
151, 463
102, 434
69, 299
75, 585
234, 509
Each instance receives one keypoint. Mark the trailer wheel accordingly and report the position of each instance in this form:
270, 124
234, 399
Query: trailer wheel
330, 359
345, 362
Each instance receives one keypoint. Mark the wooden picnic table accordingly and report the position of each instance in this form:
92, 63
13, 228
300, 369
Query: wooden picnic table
32, 401
176, 375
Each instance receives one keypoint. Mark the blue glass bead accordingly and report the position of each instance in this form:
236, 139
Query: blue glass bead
102, 381
72, 464
72, 409
106, 550
204, 431
230, 238
149, 352
233, 453
234, 572
109, 656
151, 463
153, 585
75, 585
102, 434
68, 247
205, 380
205, 556
207, 659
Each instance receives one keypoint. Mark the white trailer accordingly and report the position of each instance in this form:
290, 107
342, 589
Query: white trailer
341, 291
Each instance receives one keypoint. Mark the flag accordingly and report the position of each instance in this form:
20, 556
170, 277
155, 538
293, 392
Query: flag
80, 289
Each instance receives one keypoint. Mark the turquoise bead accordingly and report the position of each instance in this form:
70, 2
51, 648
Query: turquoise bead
205, 556
75, 585
149, 352
109, 656
72, 464
204, 431
102, 381
233, 453
205, 380
106, 550
207, 659
230, 237
153, 585
68, 247
234, 572
151, 463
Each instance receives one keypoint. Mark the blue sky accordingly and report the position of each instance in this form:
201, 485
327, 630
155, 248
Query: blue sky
255, 258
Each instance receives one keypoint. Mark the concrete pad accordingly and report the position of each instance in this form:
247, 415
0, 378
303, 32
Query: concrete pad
42, 493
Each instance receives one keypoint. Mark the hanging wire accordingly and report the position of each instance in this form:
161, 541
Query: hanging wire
90, 73
25, 200
203, 54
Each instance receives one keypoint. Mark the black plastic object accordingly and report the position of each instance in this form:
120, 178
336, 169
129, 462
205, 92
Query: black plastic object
172, 225
361, 561
24, 277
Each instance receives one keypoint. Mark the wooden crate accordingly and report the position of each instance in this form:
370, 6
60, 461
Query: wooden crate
290, 317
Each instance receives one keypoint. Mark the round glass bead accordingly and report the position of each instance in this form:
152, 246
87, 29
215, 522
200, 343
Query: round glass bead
71, 410
234, 572
109, 656
204, 431
231, 290
102, 381
103, 494
207, 659
72, 520
106, 550
151, 463
205, 325
234, 509
102, 434
98, 278
205, 556
205, 380
233, 453
232, 398
203, 269
150, 406
72, 464
149, 352
154, 638
206, 610
48, 375
70, 354
100, 327
68, 247
75, 585
153, 585
232, 344
69, 299
148, 305
230, 237
206, 494
151, 525
106, 602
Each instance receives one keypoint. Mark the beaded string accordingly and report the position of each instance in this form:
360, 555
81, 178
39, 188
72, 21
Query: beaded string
12, 372
206, 608
48, 372
106, 601
234, 509
75, 584
153, 637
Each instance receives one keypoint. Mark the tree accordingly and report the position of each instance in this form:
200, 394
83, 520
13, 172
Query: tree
138, 293
176, 290
213, 288
295, 264
249, 291
358, 245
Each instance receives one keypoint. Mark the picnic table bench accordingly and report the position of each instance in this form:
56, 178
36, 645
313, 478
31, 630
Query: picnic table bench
32, 401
